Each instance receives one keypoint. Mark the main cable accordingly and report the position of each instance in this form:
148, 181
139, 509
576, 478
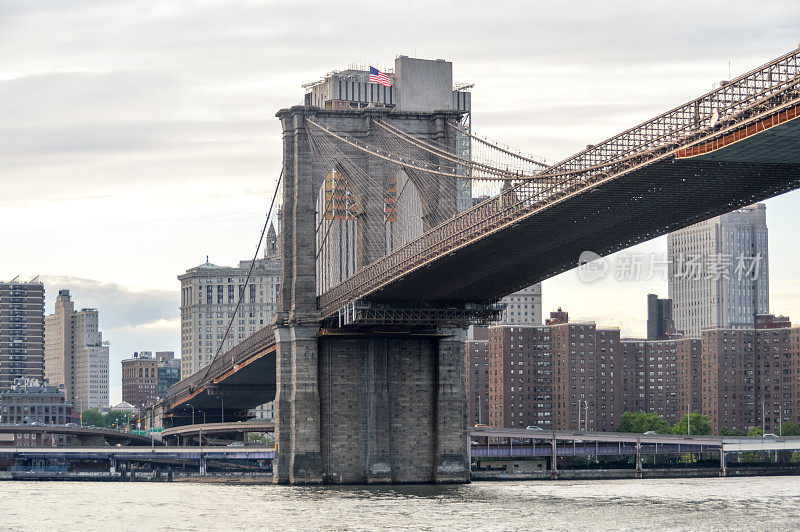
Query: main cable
247, 280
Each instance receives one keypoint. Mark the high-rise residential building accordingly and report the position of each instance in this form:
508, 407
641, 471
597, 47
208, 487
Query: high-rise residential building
730, 381
476, 366
571, 375
568, 375
659, 318
520, 377
660, 376
75, 357
561, 376
209, 295
169, 371
718, 271
21, 331
750, 375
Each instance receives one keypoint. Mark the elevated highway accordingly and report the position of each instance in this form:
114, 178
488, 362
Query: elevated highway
235, 431
111, 436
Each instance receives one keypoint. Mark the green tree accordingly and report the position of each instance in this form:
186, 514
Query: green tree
755, 431
93, 417
255, 437
698, 424
117, 415
790, 428
642, 422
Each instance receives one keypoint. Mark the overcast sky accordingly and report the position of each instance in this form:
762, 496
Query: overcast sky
139, 137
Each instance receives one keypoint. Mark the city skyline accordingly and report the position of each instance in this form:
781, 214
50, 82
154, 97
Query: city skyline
80, 143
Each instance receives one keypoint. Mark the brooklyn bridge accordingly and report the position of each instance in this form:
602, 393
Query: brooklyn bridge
367, 369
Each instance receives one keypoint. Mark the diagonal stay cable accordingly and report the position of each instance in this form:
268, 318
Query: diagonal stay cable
247, 280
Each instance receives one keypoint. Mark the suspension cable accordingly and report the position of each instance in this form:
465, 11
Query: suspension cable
247, 280
441, 152
495, 146
408, 164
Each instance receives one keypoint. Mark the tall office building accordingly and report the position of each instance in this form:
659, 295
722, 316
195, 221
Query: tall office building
75, 357
21, 331
659, 318
718, 271
208, 301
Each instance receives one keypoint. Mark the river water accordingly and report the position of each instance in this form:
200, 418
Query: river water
758, 503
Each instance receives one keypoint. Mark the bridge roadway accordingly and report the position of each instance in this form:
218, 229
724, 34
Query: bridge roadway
111, 435
241, 379
728, 148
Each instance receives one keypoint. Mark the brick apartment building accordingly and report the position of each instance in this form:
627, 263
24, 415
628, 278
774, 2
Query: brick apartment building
477, 375
750, 375
542, 375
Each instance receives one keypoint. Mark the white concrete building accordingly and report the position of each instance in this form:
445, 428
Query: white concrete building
75, 356
523, 307
208, 300
719, 271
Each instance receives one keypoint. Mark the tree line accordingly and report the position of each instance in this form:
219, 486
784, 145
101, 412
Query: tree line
113, 419
694, 423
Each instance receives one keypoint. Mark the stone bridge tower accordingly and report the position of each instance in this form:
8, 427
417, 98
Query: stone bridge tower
370, 404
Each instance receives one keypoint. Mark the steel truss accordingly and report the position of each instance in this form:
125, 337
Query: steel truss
368, 313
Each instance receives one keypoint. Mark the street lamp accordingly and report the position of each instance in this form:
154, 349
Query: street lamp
204, 415
187, 404
586, 416
222, 409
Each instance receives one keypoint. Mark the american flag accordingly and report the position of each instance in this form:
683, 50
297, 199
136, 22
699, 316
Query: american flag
376, 76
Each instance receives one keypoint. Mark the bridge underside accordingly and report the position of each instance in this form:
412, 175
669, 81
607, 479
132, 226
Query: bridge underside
230, 396
611, 216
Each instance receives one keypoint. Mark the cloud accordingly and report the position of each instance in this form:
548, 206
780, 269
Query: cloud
145, 320
119, 306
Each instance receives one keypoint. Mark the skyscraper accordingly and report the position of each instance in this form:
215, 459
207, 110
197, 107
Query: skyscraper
718, 271
21, 331
208, 301
75, 356
659, 318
